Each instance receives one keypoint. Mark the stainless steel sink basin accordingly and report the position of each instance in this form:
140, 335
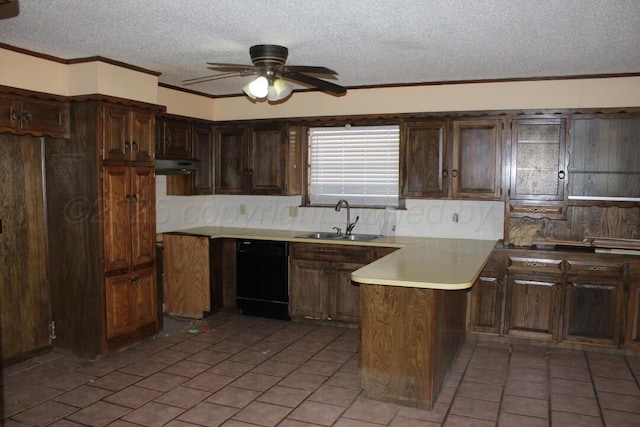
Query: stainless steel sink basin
325, 235
359, 237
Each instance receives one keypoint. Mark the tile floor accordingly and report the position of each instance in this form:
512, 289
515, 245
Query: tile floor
248, 371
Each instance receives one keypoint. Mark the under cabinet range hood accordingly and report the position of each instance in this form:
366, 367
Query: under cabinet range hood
176, 166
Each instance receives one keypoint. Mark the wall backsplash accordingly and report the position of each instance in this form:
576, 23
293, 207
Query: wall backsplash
426, 218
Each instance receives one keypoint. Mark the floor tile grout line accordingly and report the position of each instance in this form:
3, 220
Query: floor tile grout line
595, 391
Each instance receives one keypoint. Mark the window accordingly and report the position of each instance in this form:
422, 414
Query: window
357, 163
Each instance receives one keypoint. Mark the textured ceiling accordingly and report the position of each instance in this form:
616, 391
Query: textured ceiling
368, 42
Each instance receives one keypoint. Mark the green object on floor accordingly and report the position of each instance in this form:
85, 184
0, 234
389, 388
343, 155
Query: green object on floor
194, 331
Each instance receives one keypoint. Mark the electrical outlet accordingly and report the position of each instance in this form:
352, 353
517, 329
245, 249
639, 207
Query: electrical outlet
243, 210
293, 211
455, 217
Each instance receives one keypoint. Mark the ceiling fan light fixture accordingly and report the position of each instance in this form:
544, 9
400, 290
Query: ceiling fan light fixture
258, 88
279, 90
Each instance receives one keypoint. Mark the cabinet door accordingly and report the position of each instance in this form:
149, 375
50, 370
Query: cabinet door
143, 137
119, 306
423, 148
116, 211
308, 288
592, 311
537, 159
345, 296
116, 143
266, 161
477, 147
486, 303
145, 300
143, 220
533, 305
178, 139
230, 160
48, 117
203, 151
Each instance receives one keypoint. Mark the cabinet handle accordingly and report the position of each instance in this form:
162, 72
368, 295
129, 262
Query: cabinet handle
454, 173
333, 270
595, 268
561, 174
13, 113
134, 145
134, 198
26, 116
445, 173
533, 264
135, 282
127, 145
128, 198
326, 270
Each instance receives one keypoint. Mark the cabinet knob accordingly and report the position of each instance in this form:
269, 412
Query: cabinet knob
26, 116
135, 282
13, 113
445, 173
134, 145
134, 198
561, 174
128, 198
127, 145
454, 173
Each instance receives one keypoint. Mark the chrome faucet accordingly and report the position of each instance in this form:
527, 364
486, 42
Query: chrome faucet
350, 225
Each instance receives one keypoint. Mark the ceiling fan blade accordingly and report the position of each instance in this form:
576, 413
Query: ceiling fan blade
310, 69
204, 79
225, 67
315, 82
9, 9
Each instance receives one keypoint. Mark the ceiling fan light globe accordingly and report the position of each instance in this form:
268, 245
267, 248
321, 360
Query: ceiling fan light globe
259, 88
282, 88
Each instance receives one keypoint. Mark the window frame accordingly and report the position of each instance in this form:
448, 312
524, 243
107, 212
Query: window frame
306, 162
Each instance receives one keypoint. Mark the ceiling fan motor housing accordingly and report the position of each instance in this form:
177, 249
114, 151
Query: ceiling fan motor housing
268, 55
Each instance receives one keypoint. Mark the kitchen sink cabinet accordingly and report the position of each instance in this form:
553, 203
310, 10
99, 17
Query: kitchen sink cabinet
101, 199
34, 116
459, 159
260, 159
128, 134
320, 280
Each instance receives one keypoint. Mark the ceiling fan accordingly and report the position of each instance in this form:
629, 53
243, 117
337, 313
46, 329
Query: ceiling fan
269, 65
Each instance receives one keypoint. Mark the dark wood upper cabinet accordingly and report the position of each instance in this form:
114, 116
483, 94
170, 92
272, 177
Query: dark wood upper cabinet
128, 134
476, 167
538, 159
202, 180
34, 116
257, 160
423, 152
604, 158
175, 139
460, 159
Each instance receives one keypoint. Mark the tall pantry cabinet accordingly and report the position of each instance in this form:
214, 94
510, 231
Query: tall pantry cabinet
101, 198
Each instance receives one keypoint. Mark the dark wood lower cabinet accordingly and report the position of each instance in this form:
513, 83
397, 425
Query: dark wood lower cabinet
566, 298
320, 280
533, 305
131, 302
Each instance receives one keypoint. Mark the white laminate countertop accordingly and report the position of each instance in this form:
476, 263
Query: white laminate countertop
421, 262
431, 263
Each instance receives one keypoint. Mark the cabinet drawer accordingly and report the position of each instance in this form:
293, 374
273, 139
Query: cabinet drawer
546, 210
536, 264
343, 253
612, 269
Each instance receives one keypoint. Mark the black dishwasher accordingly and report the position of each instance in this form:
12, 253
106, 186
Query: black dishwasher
263, 278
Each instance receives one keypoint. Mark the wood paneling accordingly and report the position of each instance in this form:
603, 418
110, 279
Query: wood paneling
409, 339
24, 288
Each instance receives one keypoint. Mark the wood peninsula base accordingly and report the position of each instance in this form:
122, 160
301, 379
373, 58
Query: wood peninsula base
409, 340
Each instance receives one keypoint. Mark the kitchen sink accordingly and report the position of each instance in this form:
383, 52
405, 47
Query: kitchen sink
320, 235
324, 235
359, 237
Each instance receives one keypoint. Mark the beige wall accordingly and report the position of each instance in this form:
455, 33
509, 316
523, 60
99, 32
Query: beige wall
28, 72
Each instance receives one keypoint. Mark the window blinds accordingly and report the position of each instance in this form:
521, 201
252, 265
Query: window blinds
357, 163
